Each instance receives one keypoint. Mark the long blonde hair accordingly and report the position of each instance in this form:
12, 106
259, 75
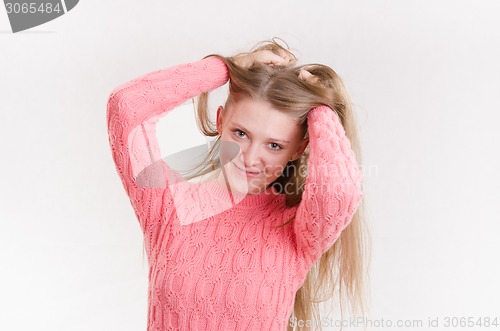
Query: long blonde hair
344, 266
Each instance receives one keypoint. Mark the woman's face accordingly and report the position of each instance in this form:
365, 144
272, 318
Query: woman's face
257, 141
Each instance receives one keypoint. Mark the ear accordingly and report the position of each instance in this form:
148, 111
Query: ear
300, 149
219, 119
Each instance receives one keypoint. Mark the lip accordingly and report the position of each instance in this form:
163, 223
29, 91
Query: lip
247, 173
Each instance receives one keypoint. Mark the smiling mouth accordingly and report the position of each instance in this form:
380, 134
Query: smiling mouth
250, 173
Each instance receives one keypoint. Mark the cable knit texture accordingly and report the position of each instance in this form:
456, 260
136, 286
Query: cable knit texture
217, 261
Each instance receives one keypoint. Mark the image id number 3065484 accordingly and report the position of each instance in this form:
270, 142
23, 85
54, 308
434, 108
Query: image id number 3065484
32, 7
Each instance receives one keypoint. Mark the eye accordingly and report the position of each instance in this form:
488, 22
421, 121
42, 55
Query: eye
278, 148
237, 133
242, 134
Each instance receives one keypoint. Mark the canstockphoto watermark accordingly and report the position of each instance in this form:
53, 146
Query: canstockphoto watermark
325, 174
26, 14
323, 179
452, 322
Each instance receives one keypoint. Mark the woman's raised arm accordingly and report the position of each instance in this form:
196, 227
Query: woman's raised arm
332, 188
133, 109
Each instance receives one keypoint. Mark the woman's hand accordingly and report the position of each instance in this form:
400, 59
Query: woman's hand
264, 56
308, 77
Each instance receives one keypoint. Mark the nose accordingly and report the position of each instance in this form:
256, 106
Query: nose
251, 158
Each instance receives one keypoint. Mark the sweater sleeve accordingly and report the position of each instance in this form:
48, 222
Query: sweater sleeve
332, 188
133, 109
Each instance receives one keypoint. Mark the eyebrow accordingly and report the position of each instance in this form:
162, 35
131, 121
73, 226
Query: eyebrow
275, 139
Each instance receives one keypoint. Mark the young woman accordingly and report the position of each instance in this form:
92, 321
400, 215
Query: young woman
249, 247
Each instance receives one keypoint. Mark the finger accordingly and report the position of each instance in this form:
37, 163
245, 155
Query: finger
304, 74
287, 57
275, 59
308, 77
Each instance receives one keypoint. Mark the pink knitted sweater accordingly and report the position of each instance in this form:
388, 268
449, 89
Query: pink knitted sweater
215, 263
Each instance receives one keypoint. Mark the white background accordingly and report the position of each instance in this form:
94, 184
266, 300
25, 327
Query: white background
424, 77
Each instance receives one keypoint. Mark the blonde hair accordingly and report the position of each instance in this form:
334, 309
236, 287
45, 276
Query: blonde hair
343, 265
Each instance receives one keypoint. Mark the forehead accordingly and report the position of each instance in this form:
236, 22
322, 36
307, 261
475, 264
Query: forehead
262, 120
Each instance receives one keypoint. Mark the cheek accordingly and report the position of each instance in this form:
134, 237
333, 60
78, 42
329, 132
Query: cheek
228, 137
275, 168
225, 134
